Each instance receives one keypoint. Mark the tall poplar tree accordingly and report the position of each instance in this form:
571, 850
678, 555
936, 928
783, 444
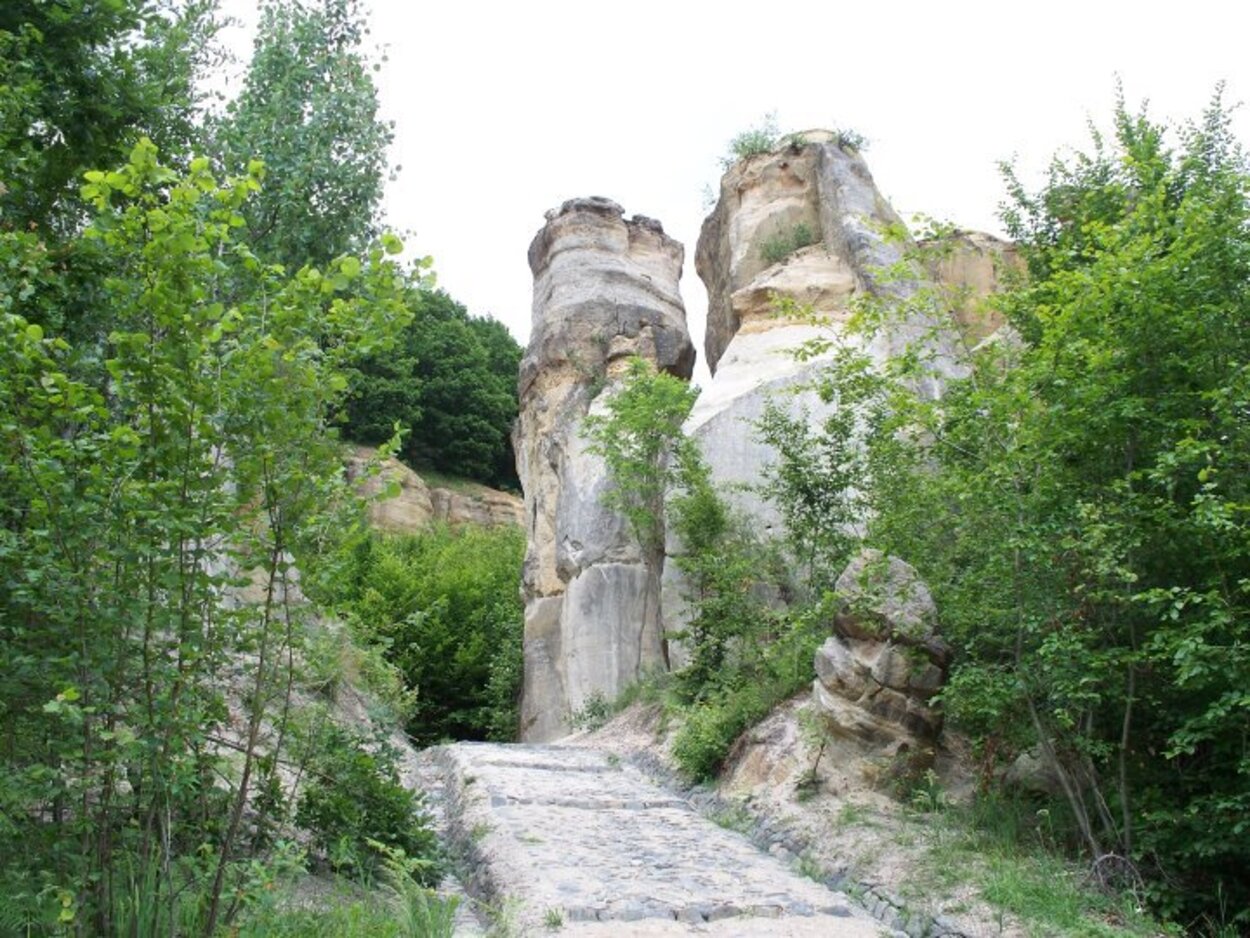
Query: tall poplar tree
309, 111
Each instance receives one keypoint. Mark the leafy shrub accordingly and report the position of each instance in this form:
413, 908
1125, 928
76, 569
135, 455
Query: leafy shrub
595, 712
781, 245
445, 607
401, 908
1078, 507
354, 800
849, 139
713, 725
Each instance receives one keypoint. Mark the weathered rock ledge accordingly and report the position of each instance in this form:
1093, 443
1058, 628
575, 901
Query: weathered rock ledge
419, 504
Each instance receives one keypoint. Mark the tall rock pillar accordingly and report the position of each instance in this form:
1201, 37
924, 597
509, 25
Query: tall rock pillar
605, 289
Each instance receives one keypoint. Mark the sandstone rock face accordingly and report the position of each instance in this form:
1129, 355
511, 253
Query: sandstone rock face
971, 266
815, 187
605, 289
418, 505
876, 676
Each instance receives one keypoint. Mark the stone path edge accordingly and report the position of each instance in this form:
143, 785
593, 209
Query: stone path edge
768, 833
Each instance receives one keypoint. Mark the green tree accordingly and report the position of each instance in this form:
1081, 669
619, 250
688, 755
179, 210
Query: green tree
1079, 505
640, 438
126, 512
744, 655
816, 478
450, 384
80, 83
308, 110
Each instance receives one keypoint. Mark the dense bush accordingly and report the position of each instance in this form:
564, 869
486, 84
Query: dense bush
1079, 508
167, 456
121, 525
710, 728
354, 801
445, 606
450, 384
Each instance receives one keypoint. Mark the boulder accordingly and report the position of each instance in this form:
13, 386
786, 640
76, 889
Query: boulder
876, 677
883, 598
1031, 772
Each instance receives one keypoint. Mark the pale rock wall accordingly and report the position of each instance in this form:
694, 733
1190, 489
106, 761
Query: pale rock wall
605, 289
970, 267
815, 182
750, 348
418, 504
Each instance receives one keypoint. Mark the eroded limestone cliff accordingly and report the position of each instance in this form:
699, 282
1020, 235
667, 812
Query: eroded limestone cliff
605, 289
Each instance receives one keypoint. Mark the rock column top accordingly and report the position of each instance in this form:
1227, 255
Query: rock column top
579, 215
603, 280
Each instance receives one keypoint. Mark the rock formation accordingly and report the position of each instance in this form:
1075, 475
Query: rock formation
971, 266
805, 227
419, 504
876, 676
605, 289
812, 190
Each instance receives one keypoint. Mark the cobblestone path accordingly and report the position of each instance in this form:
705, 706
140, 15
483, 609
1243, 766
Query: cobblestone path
570, 841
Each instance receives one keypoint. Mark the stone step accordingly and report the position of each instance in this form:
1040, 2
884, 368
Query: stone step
571, 838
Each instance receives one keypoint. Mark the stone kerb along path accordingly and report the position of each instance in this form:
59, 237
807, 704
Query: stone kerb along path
572, 841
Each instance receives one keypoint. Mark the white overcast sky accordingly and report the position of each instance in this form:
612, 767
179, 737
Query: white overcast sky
505, 109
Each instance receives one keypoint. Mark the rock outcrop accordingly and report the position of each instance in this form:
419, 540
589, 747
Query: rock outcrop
812, 190
876, 676
971, 266
798, 238
418, 504
605, 289
815, 199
